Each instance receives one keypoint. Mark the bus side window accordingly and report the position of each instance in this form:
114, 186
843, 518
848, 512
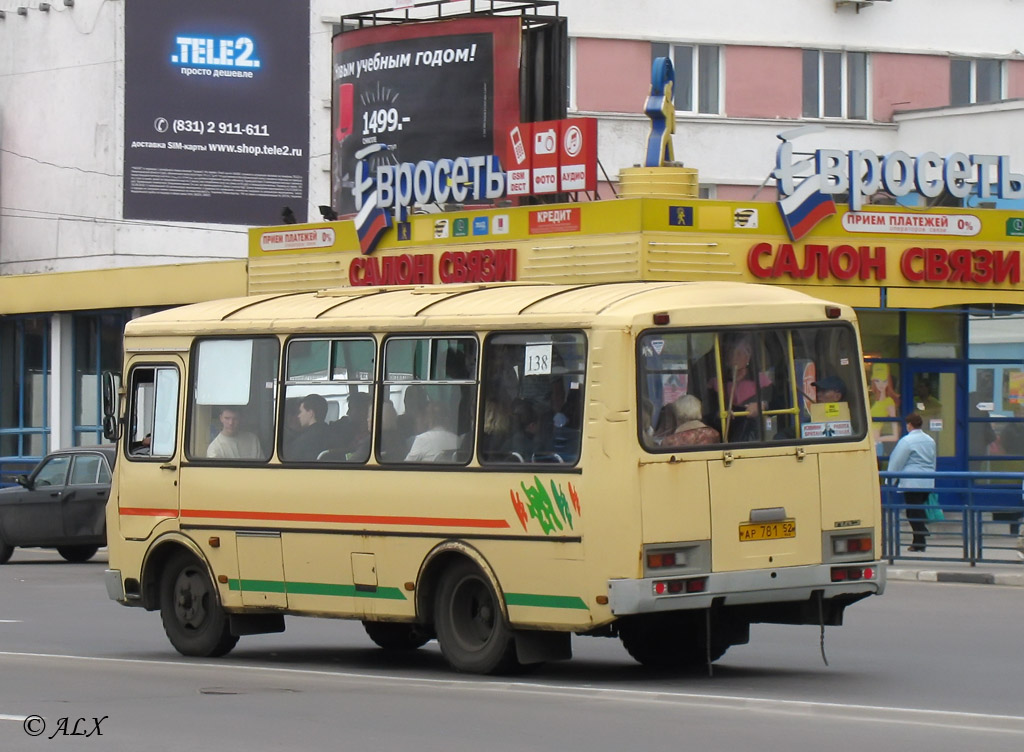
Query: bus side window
533, 398
153, 412
233, 391
430, 383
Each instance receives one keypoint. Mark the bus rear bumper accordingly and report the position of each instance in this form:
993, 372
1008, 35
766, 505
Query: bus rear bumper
745, 588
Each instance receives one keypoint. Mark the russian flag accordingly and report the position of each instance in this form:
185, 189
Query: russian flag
805, 207
371, 222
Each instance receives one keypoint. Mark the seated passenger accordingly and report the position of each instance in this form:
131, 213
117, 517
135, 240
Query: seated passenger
232, 442
351, 433
313, 436
829, 389
690, 430
438, 439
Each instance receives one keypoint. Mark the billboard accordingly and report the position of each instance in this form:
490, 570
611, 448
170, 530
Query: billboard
216, 110
409, 93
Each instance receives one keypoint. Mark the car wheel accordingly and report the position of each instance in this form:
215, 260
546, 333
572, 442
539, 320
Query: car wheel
5, 552
190, 611
77, 554
471, 628
396, 636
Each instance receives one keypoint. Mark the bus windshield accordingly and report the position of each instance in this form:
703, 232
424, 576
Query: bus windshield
749, 386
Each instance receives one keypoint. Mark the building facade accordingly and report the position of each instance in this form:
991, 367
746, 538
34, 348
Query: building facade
880, 76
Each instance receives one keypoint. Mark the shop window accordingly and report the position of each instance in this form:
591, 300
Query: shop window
884, 403
880, 333
533, 398
975, 81
835, 84
232, 403
698, 75
328, 400
934, 335
96, 344
24, 382
428, 404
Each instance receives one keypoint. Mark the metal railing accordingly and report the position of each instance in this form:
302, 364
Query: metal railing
981, 517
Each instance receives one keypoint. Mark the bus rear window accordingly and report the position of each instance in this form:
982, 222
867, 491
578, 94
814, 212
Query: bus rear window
749, 386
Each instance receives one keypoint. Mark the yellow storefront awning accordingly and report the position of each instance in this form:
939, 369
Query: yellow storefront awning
127, 287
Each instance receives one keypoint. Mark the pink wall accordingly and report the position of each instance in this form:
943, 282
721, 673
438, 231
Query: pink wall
612, 75
1015, 79
763, 82
908, 82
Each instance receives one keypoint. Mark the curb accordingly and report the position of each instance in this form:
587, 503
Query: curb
973, 578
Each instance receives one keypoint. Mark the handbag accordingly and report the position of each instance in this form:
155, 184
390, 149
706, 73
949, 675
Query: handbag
932, 510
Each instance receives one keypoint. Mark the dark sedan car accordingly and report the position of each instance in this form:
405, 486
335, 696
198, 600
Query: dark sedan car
60, 504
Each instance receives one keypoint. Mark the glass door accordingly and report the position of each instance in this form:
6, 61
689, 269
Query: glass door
935, 392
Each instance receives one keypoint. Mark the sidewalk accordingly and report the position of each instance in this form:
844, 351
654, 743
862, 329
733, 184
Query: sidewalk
1009, 572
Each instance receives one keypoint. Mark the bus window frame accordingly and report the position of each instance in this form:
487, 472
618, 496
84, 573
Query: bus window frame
459, 460
190, 403
328, 381
793, 386
548, 466
131, 403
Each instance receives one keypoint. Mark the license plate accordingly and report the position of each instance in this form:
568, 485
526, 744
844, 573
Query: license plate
754, 531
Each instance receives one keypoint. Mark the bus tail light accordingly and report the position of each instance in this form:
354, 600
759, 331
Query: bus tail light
680, 586
662, 559
853, 544
852, 574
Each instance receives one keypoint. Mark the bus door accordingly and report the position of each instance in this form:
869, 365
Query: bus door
765, 510
149, 471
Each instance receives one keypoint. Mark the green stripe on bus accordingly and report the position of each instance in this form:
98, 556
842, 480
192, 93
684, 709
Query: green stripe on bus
315, 588
544, 601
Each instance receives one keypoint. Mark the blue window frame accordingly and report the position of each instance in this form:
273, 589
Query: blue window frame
96, 347
24, 390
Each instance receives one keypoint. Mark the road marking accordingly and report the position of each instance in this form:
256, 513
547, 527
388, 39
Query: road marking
10, 621
946, 719
18, 718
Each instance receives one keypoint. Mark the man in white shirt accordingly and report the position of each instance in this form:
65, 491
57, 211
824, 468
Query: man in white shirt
915, 453
435, 443
232, 442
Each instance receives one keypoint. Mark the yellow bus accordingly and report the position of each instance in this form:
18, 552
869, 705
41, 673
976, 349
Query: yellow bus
496, 467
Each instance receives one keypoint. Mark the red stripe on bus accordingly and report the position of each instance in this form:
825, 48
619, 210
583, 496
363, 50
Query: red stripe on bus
146, 512
365, 519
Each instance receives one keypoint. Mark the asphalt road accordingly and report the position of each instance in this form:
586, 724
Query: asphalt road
926, 666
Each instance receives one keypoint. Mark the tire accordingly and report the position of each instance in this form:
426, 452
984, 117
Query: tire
190, 611
77, 554
5, 552
396, 636
670, 641
471, 628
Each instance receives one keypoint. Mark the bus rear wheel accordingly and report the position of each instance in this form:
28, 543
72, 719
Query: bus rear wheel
396, 636
191, 614
77, 554
471, 628
670, 641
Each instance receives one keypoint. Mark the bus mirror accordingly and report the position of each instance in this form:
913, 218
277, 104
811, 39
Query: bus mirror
111, 408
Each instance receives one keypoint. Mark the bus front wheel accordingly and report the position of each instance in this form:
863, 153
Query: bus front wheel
396, 636
471, 629
192, 616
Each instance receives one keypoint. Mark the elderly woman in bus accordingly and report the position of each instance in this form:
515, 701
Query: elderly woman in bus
690, 430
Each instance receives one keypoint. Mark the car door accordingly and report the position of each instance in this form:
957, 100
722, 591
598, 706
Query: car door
33, 517
85, 498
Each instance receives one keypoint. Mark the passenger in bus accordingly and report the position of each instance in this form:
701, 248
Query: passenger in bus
437, 440
741, 394
350, 434
690, 429
313, 436
412, 420
829, 389
232, 442
392, 445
